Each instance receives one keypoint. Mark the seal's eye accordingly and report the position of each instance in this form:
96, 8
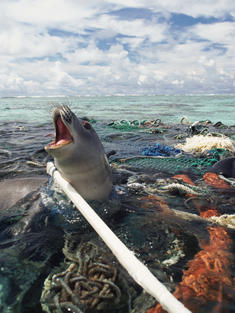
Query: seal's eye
86, 125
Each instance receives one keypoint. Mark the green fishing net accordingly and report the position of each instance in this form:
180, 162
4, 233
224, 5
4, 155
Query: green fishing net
170, 165
126, 125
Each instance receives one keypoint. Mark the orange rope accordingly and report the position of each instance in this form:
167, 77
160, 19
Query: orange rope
212, 179
208, 278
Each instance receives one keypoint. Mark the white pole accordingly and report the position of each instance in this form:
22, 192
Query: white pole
138, 271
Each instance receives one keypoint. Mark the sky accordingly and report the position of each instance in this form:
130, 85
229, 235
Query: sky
109, 47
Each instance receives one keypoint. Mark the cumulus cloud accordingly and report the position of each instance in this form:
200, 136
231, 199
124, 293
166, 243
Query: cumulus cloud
105, 47
222, 32
49, 13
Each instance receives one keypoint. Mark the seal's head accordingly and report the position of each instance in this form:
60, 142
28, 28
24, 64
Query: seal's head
79, 155
225, 167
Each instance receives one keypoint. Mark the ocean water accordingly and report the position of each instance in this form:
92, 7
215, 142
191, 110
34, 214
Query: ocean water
169, 109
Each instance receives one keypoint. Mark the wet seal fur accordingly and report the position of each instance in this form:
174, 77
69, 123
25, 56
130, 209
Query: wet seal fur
12, 190
225, 167
79, 155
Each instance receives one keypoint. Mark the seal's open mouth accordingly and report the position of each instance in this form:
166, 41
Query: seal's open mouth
63, 136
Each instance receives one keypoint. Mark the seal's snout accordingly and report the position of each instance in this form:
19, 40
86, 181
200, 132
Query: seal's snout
62, 119
63, 135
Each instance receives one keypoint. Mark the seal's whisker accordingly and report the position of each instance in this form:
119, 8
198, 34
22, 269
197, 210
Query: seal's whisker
67, 113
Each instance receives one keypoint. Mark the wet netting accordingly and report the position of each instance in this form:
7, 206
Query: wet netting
181, 226
170, 165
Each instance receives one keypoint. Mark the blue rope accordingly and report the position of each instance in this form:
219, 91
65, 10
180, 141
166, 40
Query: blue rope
160, 150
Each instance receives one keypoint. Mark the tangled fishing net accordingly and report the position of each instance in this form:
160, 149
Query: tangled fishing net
135, 125
208, 281
160, 150
200, 143
169, 165
89, 283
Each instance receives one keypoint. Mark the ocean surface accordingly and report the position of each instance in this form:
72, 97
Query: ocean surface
169, 109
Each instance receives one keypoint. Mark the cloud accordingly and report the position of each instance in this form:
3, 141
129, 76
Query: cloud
28, 42
219, 8
133, 28
104, 47
222, 32
52, 12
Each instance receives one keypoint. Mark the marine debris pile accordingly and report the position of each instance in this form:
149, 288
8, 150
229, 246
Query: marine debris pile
181, 147
194, 186
161, 150
125, 125
208, 281
89, 282
177, 215
200, 143
169, 165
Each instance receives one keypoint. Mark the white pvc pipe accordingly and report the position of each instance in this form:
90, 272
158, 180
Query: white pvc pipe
138, 271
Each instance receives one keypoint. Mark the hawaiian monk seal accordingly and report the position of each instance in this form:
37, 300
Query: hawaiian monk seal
225, 167
13, 190
79, 155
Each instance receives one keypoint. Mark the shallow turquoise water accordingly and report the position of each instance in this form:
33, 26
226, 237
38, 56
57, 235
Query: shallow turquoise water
167, 108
